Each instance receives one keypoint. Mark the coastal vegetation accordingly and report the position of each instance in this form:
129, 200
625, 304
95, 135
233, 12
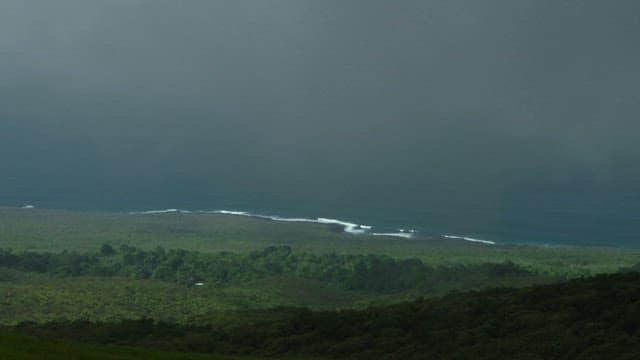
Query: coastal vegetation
130, 283
99, 285
591, 318
20, 347
43, 230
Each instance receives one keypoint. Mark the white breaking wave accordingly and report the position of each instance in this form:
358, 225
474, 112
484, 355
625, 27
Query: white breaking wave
348, 227
398, 234
278, 218
228, 212
165, 211
470, 239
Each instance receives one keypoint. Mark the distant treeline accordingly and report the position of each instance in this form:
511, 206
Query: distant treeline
593, 318
373, 273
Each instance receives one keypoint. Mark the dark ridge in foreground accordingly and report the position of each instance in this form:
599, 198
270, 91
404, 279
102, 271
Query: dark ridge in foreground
591, 318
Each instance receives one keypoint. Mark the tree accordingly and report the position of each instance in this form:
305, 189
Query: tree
107, 250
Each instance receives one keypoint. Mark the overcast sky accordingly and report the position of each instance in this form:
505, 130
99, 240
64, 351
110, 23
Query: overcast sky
399, 97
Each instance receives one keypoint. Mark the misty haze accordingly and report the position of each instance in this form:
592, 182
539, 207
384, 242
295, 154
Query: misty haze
494, 142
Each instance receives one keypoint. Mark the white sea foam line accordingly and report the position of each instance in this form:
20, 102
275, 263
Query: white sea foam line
229, 212
470, 239
349, 227
400, 234
151, 212
278, 218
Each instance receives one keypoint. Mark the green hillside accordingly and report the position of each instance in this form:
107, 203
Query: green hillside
20, 347
594, 318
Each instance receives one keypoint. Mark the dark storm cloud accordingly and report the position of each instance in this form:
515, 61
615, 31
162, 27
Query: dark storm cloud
406, 96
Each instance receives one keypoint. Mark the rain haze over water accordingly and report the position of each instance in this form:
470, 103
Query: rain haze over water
514, 121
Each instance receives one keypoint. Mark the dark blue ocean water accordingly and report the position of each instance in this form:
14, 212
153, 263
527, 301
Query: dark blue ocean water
510, 121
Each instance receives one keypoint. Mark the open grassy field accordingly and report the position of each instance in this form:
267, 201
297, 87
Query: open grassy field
56, 230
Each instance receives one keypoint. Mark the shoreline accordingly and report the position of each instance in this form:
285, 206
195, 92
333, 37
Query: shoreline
348, 227
357, 229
